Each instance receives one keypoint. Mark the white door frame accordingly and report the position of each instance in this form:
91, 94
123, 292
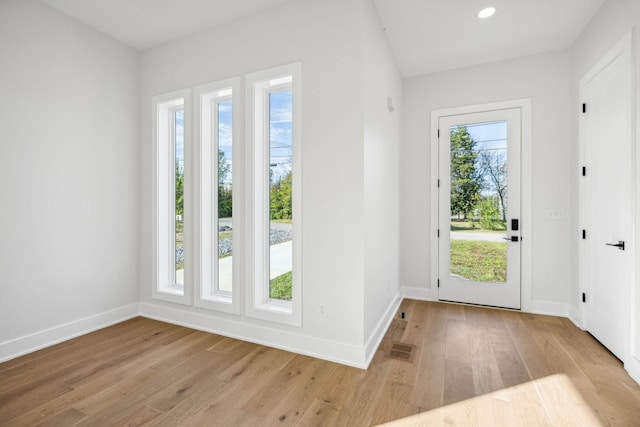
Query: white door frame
624, 46
525, 198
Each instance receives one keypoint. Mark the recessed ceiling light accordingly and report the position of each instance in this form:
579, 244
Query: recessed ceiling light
486, 12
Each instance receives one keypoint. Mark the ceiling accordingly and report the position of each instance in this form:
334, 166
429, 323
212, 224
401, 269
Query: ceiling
436, 35
425, 35
143, 24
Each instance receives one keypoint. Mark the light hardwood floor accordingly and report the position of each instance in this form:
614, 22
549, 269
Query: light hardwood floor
471, 366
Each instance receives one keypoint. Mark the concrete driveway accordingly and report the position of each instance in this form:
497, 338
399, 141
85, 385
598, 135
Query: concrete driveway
478, 237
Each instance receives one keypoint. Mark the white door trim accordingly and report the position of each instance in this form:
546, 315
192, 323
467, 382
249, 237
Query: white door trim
624, 46
525, 170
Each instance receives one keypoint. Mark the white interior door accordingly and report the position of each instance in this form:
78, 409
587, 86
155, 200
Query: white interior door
607, 199
479, 208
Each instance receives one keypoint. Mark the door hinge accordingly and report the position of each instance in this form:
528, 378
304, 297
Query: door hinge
584, 108
584, 297
438, 183
584, 171
438, 133
438, 232
438, 282
584, 234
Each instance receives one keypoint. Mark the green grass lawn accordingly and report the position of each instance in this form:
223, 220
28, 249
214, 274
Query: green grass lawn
479, 261
280, 287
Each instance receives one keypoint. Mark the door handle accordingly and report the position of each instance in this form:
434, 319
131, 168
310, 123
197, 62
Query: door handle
512, 239
619, 245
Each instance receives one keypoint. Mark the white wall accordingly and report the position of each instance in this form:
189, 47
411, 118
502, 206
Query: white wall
612, 22
329, 39
68, 123
544, 79
381, 176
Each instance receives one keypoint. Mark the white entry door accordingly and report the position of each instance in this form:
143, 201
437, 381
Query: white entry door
606, 268
479, 225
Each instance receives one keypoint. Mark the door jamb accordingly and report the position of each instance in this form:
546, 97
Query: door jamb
525, 175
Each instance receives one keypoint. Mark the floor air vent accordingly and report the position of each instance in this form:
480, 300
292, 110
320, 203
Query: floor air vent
401, 351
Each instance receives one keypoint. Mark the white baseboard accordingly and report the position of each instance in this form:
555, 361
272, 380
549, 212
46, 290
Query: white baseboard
420, 294
339, 352
48, 337
381, 329
632, 366
343, 353
550, 308
537, 307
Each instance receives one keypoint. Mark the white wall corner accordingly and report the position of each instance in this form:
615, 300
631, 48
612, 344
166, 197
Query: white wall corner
420, 294
263, 334
575, 320
48, 337
374, 340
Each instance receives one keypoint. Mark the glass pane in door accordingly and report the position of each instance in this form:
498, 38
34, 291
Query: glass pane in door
478, 246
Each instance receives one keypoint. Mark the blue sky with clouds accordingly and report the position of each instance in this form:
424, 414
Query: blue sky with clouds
491, 136
180, 137
225, 126
280, 133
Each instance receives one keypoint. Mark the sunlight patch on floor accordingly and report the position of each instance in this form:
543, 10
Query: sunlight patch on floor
552, 400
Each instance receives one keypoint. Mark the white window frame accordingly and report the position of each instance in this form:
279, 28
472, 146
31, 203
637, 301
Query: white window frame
163, 167
258, 86
206, 99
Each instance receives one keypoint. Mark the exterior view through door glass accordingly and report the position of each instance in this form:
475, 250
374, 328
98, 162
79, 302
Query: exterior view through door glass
479, 208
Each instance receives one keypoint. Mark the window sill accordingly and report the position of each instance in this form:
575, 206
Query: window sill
218, 302
219, 298
276, 307
276, 311
179, 291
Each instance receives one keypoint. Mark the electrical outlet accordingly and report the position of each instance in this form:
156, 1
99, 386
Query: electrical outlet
322, 310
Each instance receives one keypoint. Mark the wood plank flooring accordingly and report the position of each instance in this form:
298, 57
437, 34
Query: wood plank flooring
472, 367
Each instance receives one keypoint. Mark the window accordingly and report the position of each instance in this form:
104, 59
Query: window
228, 213
273, 122
219, 232
171, 216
